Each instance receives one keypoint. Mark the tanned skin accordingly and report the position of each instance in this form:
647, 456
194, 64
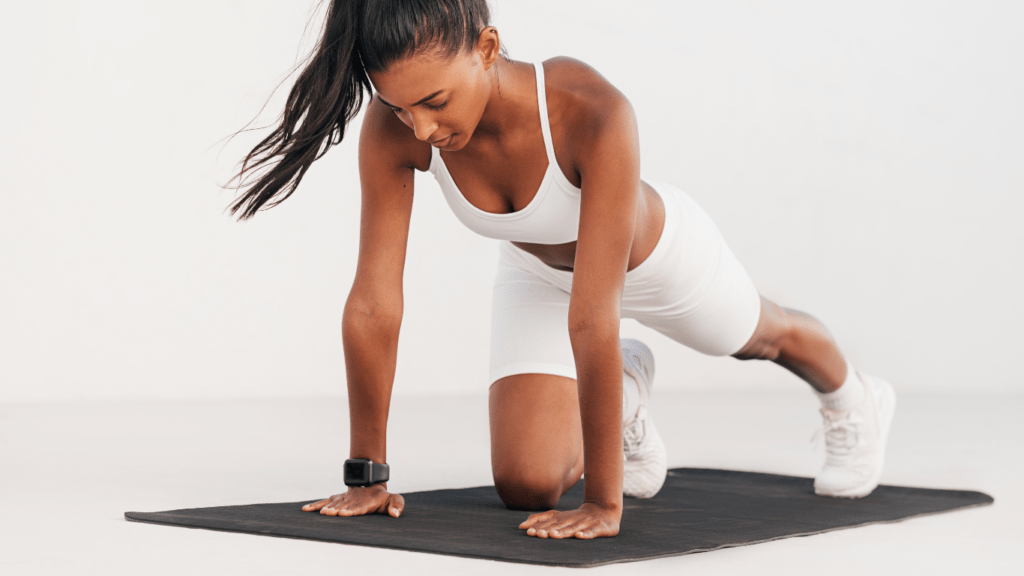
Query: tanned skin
482, 112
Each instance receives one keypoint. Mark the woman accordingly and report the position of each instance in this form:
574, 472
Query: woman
544, 157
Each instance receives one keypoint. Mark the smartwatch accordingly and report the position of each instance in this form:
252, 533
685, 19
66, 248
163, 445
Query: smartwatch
364, 472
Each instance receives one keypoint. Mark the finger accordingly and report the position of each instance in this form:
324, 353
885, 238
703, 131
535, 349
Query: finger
564, 529
313, 507
539, 517
362, 504
337, 502
536, 528
579, 527
541, 529
598, 530
395, 505
557, 529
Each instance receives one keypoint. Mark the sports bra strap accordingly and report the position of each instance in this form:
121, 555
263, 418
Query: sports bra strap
545, 125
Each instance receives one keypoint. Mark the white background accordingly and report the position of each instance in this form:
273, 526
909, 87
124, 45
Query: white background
863, 159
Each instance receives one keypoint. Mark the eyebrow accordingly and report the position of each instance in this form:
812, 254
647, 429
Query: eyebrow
421, 101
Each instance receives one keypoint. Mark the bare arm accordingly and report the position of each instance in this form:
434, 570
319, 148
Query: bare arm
611, 189
373, 311
607, 158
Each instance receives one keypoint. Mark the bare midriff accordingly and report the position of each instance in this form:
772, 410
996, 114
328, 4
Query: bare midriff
650, 220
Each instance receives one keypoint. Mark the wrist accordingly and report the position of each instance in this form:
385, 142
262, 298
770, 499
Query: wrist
365, 472
614, 506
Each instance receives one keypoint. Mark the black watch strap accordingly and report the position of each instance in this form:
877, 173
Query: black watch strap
365, 472
379, 473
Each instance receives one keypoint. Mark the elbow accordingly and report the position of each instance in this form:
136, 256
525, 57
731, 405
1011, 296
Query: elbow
586, 327
580, 327
362, 315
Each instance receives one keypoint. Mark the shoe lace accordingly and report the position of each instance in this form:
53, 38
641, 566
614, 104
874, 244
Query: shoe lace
842, 431
633, 432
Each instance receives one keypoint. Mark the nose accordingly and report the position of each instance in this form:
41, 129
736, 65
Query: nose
424, 127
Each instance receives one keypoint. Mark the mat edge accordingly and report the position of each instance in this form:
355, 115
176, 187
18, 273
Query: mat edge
562, 565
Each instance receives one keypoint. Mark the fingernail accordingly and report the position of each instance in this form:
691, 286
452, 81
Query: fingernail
554, 531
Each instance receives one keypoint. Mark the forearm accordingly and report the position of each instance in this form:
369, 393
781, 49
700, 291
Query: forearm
370, 339
599, 377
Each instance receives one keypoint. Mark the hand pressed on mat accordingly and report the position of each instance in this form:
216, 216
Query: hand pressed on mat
358, 501
586, 522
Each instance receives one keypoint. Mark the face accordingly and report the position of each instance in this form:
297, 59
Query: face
441, 98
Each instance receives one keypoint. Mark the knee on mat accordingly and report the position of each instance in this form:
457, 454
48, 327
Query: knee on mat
521, 490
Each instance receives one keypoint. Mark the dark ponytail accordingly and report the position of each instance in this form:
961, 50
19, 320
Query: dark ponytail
329, 92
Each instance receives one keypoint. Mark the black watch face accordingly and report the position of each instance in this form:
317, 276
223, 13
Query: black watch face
357, 472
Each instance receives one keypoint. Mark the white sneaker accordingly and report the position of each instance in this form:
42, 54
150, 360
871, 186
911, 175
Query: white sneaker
855, 442
646, 462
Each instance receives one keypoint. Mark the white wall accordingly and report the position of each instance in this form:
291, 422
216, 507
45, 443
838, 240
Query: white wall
863, 160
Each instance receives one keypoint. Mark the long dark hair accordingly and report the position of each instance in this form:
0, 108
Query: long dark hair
357, 36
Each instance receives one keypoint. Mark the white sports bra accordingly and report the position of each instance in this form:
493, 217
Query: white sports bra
552, 217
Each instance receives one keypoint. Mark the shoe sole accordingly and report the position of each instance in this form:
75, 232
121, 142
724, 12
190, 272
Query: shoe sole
885, 404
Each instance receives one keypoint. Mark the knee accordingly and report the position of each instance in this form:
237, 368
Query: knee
776, 330
528, 490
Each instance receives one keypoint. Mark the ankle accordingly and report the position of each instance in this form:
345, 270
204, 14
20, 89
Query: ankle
848, 395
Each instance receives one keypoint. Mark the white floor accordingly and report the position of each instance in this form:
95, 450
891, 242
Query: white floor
69, 471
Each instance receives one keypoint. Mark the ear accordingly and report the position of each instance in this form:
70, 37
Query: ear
488, 46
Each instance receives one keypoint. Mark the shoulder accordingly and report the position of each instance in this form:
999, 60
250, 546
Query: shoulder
584, 104
385, 139
576, 87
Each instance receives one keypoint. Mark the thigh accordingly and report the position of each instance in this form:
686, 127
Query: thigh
536, 434
692, 288
529, 318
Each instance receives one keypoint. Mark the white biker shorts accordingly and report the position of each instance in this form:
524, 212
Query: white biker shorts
691, 288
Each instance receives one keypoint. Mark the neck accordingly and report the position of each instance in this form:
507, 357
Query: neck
511, 103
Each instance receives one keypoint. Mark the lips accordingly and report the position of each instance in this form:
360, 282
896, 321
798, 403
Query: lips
442, 142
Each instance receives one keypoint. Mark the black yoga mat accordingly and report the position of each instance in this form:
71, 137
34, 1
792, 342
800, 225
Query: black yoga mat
698, 510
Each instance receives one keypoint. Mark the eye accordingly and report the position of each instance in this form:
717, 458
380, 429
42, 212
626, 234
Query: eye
439, 107
396, 110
